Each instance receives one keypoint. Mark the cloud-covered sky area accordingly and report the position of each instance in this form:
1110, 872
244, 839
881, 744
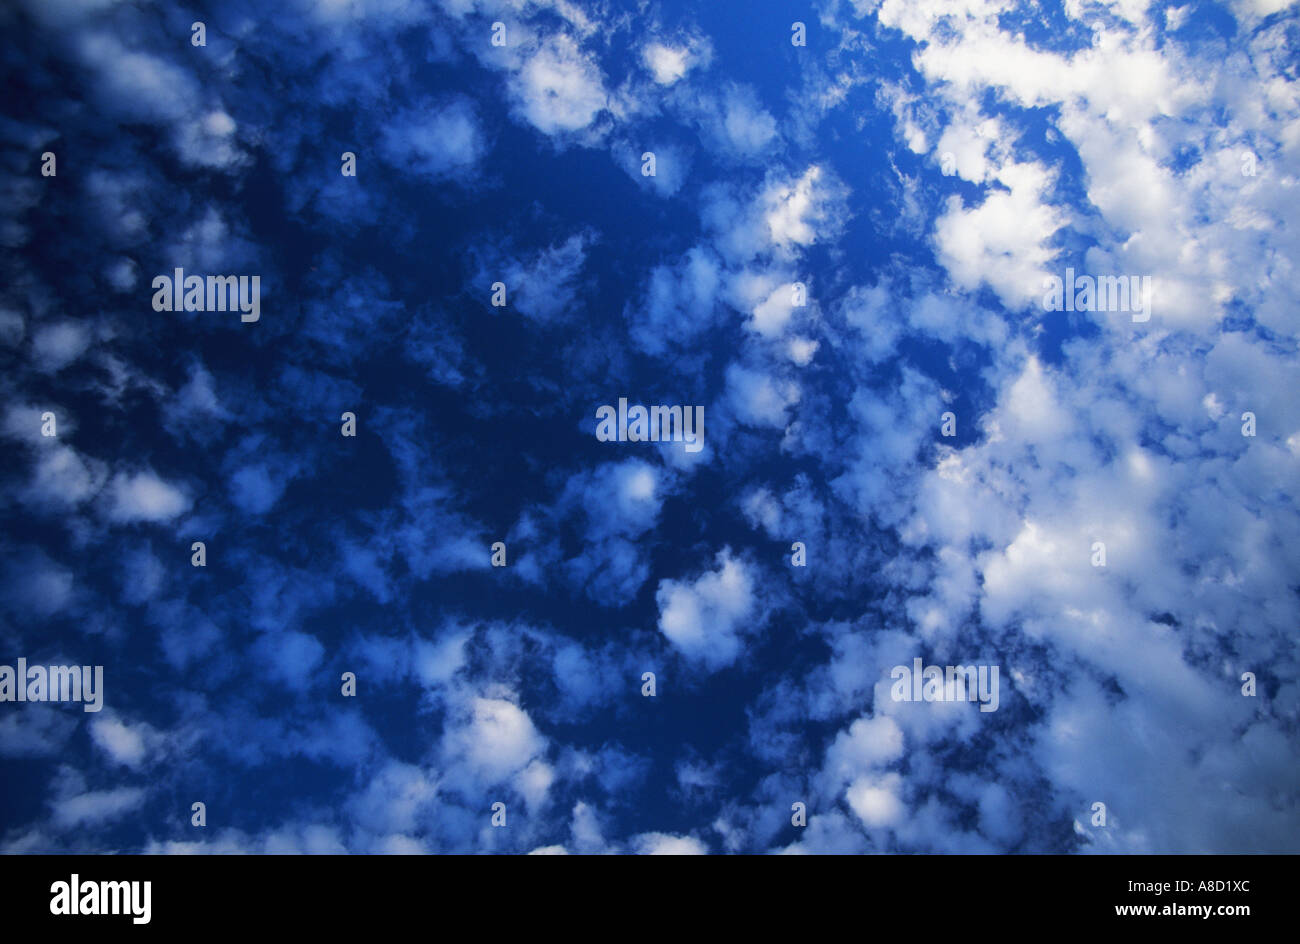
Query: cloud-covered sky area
841, 257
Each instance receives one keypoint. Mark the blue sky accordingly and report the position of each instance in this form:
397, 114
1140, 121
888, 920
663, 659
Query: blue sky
918, 170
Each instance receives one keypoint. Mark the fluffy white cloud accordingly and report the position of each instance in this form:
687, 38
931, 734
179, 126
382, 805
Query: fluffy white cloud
875, 800
1006, 240
668, 62
793, 209
705, 619
143, 496
759, 399
868, 742
63, 478
58, 345
667, 844
558, 88
743, 124
497, 742
679, 303
665, 63
142, 86
100, 806
124, 744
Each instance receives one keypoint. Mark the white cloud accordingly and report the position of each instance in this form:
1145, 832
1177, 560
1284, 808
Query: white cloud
666, 63
770, 317
143, 496
875, 801
58, 345
802, 350
868, 743
95, 808
124, 744
705, 619
558, 88
397, 798
142, 86
679, 303
746, 125
63, 478
1006, 240
794, 209
759, 399
667, 844
210, 141
495, 742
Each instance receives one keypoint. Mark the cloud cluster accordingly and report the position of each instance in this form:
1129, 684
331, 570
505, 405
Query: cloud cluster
840, 258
